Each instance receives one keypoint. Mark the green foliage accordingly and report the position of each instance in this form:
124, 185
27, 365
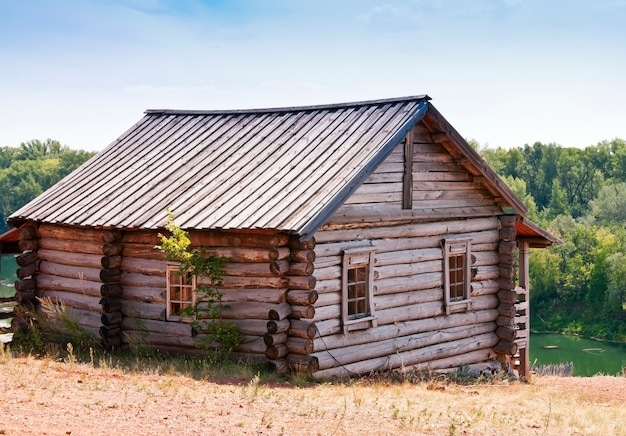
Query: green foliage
610, 204
580, 196
518, 186
218, 336
53, 326
616, 277
27, 171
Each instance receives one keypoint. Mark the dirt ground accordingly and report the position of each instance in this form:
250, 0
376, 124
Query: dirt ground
45, 397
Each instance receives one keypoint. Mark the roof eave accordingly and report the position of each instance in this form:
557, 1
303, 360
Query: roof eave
534, 235
447, 136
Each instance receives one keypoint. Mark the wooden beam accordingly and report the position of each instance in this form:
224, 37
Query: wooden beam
407, 187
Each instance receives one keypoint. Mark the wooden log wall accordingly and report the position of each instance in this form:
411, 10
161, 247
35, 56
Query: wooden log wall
111, 290
63, 264
256, 283
26, 285
289, 335
408, 298
507, 296
412, 327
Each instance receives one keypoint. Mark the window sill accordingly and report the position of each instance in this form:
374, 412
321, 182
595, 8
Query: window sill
359, 323
185, 320
459, 306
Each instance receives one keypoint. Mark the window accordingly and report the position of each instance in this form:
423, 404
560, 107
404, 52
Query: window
357, 308
180, 293
457, 259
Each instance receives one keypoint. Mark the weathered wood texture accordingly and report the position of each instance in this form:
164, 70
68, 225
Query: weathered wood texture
284, 294
440, 187
507, 296
69, 268
255, 282
412, 325
111, 276
419, 356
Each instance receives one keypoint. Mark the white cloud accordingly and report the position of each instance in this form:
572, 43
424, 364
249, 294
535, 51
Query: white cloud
378, 13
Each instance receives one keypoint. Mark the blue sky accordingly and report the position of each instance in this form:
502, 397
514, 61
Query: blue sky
503, 72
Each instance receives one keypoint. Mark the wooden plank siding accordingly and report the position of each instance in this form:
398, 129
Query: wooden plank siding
408, 267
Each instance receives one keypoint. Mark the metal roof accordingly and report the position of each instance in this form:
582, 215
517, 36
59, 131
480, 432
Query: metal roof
283, 169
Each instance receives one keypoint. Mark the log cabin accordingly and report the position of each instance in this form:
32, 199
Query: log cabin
359, 237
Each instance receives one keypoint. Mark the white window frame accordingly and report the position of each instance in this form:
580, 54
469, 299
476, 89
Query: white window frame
457, 248
170, 315
352, 259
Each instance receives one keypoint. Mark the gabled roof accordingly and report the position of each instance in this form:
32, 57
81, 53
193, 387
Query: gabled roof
286, 169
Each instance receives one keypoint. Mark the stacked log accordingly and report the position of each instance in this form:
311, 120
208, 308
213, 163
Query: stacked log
25, 286
276, 336
255, 283
289, 337
412, 326
69, 270
111, 289
507, 330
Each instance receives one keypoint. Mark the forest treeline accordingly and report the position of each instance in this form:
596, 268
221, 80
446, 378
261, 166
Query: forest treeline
28, 170
578, 195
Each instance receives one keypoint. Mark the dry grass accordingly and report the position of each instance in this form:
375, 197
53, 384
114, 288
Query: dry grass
56, 397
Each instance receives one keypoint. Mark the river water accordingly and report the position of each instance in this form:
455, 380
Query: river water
590, 357
8, 266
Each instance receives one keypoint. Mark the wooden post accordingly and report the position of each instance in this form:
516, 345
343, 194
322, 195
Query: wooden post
407, 182
524, 282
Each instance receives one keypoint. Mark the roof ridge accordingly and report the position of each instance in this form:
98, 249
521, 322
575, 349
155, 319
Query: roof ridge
286, 109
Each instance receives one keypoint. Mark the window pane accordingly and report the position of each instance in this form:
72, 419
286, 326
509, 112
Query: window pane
180, 292
361, 309
186, 294
351, 308
456, 277
351, 292
356, 293
174, 278
361, 289
361, 274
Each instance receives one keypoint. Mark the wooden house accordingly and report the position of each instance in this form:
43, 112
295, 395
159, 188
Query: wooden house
359, 237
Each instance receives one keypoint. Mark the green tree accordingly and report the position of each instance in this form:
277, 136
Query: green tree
7, 156
36, 149
579, 178
558, 204
27, 171
618, 159
610, 204
616, 289
518, 186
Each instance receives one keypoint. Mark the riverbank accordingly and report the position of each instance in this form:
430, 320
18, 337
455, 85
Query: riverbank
46, 396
